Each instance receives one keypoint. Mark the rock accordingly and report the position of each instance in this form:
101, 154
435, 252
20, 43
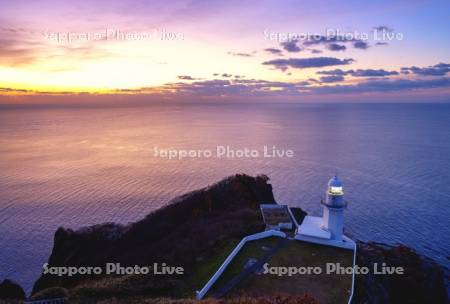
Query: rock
422, 281
190, 230
187, 228
10, 290
51, 293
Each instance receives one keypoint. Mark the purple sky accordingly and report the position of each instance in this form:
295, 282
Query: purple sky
255, 50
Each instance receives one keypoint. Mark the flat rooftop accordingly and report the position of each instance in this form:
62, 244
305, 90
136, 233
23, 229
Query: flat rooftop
275, 214
326, 288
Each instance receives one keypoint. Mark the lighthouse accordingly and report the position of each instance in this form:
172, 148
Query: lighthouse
328, 229
333, 209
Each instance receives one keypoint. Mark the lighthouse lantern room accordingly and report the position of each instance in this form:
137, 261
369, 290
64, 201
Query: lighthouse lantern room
333, 208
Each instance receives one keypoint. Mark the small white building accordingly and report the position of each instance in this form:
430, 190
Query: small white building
328, 229
276, 216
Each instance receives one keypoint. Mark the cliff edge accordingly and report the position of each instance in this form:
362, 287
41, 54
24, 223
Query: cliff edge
182, 233
196, 228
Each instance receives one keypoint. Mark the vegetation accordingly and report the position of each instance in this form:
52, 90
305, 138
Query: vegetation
276, 299
326, 288
10, 290
251, 250
197, 231
51, 293
185, 233
422, 281
207, 267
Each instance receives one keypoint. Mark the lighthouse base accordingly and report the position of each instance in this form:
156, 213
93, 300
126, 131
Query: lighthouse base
311, 230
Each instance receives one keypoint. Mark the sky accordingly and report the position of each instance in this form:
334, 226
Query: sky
231, 50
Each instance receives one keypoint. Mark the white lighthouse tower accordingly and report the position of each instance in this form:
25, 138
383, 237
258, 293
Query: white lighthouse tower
328, 229
333, 209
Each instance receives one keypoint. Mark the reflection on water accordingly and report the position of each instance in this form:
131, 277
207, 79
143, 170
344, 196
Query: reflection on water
81, 166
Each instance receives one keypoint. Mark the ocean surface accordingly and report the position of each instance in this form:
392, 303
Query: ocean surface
78, 166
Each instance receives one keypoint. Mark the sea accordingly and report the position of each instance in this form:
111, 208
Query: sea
80, 165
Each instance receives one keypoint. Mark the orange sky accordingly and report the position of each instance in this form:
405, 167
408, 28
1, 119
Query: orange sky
156, 46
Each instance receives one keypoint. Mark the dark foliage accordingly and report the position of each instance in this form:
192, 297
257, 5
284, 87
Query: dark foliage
422, 281
51, 293
10, 290
189, 230
178, 234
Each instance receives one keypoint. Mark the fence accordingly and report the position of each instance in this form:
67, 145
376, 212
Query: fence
256, 236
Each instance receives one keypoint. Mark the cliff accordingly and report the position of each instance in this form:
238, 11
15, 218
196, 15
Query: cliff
199, 225
182, 233
422, 281
11, 291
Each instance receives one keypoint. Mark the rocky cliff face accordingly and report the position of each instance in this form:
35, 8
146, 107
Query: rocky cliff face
422, 281
10, 290
178, 234
192, 227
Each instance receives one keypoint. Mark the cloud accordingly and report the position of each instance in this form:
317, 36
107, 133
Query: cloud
360, 45
257, 87
335, 42
21, 46
17, 91
186, 77
383, 28
222, 88
303, 63
17, 49
315, 40
372, 73
384, 85
240, 54
224, 75
12, 90
336, 47
274, 51
359, 73
439, 69
332, 78
236, 87
313, 80
290, 46
333, 72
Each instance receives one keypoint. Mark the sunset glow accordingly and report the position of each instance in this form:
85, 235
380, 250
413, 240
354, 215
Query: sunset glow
49, 47
176, 149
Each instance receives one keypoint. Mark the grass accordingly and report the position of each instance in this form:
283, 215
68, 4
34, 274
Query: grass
278, 299
326, 288
206, 268
252, 249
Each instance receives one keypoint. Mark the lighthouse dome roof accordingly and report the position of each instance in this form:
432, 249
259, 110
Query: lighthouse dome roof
335, 182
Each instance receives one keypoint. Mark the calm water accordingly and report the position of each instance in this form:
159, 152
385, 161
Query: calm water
81, 166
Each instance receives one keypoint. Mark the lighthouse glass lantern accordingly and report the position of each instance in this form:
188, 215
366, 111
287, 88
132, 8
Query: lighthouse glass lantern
333, 208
